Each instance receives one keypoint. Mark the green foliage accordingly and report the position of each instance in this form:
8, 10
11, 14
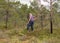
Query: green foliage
17, 21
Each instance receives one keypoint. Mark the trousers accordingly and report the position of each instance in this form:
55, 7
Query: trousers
30, 24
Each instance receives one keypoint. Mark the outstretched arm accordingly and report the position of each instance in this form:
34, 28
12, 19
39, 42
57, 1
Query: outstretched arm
35, 17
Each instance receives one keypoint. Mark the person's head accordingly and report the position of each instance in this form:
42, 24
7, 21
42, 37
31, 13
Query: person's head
30, 14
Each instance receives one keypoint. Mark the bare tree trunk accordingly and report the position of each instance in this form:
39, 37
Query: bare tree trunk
51, 23
41, 21
6, 19
41, 14
7, 12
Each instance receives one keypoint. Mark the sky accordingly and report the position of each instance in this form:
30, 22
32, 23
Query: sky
25, 2
28, 3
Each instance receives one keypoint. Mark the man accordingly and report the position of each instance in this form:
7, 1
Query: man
30, 21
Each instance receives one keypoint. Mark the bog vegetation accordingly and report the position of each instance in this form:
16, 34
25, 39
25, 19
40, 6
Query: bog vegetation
13, 21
